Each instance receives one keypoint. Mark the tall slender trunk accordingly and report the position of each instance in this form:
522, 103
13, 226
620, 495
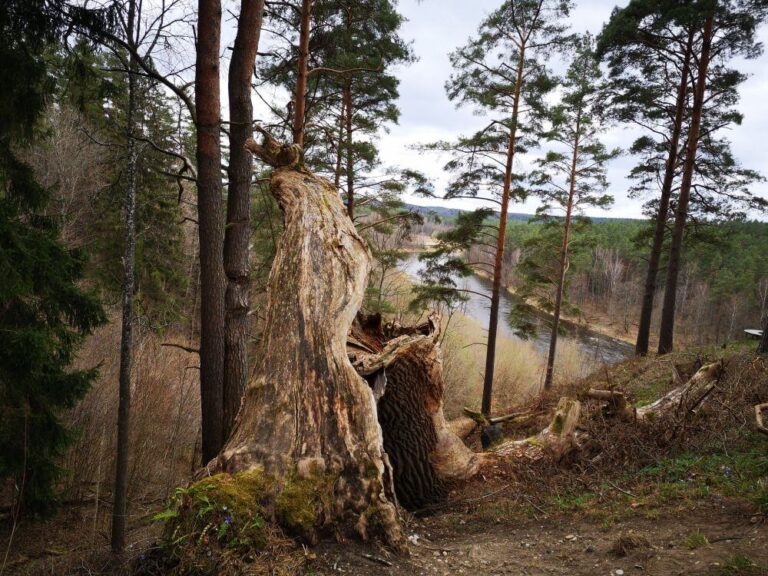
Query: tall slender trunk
493, 323
350, 155
649, 292
237, 233
666, 335
563, 262
340, 146
300, 98
210, 225
120, 503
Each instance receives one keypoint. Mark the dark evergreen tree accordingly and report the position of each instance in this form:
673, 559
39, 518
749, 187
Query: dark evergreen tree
44, 311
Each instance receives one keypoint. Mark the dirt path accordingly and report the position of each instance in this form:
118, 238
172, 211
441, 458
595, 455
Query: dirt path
564, 545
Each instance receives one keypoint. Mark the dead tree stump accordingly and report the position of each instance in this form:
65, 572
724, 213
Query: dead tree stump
308, 419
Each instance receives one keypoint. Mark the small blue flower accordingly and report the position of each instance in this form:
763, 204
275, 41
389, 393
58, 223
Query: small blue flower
228, 520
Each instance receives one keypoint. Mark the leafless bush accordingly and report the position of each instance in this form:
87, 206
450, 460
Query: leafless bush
164, 425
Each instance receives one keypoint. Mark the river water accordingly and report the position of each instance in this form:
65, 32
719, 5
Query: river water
598, 347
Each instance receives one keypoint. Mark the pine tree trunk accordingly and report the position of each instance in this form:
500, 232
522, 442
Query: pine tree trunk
340, 145
763, 346
120, 504
307, 414
300, 97
649, 291
563, 265
493, 322
210, 225
237, 234
350, 157
666, 335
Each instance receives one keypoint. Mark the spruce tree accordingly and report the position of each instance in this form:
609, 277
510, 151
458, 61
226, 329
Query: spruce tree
44, 310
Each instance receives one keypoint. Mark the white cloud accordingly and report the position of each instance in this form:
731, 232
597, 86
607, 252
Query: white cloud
437, 28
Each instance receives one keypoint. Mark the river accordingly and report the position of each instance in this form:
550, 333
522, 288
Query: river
594, 345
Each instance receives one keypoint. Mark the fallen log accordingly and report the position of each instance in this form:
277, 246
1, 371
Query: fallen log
555, 441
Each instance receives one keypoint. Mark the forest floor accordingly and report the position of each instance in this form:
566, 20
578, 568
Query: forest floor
694, 511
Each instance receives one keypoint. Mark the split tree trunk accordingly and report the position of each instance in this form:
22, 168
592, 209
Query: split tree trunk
649, 291
238, 231
667, 332
307, 412
404, 368
210, 225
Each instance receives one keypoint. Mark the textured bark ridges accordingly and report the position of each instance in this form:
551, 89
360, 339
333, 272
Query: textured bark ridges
425, 454
307, 412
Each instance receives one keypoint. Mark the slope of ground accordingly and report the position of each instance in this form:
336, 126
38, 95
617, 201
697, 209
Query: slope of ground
695, 503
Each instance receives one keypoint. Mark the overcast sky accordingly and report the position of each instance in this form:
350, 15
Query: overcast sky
436, 27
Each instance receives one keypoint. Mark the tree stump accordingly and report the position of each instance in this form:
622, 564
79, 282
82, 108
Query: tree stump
308, 419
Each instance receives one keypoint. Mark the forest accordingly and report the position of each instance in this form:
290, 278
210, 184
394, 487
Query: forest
379, 287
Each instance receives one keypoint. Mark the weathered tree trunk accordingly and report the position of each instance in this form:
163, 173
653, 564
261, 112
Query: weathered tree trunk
210, 225
649, 291
493, 323
667, 332
120, 506
404, 367
300, 97
238, 230
307, 415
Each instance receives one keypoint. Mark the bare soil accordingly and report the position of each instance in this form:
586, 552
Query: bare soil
488, 536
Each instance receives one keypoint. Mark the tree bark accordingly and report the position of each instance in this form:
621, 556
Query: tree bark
120, 505
493, 322
404, 368
350, 157
563, 264
667, 332
649, 291
237, 233
762, 348
210, 225
300, 97
307, 413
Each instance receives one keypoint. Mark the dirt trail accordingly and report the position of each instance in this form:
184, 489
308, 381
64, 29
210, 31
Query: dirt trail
564, 545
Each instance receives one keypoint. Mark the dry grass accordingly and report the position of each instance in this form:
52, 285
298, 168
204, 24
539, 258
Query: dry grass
519, 371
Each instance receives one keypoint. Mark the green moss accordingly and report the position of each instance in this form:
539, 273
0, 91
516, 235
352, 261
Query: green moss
224, 511
303, 500
557, 424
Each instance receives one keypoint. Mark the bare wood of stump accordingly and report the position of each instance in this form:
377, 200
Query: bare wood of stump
306, 411
759, 409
